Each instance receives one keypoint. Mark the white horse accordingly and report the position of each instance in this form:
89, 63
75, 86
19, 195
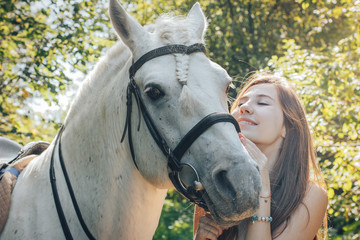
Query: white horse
116, 199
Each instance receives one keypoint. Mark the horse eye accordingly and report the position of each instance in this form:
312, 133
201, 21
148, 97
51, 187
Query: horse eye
154, 93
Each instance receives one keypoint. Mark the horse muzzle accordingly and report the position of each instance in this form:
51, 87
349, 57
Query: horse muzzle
233, 193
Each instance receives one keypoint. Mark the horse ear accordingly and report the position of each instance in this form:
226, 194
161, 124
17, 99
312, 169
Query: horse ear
128, 29
197, 16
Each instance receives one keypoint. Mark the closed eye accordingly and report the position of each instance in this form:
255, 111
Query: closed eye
263, 104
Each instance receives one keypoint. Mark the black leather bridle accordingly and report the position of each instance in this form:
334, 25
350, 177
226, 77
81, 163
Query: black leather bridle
193, 193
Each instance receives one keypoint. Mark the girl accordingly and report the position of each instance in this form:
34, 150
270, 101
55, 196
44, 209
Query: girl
293, 199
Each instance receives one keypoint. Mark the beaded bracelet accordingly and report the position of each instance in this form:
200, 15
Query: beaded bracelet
267, 196
261, 219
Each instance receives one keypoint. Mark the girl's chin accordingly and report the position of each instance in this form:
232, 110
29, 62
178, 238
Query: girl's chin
251, 136
248, 133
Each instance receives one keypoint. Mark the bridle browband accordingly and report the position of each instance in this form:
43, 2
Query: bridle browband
166, 50
192, 193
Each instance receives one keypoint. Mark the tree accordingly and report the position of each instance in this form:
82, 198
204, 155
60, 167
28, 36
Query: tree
176, 218
328, 83
313, 43
327, 77
41, 43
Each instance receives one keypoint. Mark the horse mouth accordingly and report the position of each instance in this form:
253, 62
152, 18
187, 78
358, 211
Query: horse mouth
221, 218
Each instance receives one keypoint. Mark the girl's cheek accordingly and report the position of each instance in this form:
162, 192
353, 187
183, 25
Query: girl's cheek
236, 113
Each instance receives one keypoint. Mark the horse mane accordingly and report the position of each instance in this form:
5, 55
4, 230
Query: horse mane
175, 30
102, 74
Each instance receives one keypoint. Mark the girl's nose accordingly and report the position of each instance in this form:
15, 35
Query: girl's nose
245, 108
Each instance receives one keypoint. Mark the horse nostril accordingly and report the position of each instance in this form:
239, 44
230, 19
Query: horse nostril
223, 184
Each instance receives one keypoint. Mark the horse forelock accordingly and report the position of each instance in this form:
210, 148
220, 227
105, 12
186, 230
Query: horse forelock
182, 68
172, 29
187, 101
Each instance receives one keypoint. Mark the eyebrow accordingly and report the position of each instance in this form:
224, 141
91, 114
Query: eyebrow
264, 95
258, 96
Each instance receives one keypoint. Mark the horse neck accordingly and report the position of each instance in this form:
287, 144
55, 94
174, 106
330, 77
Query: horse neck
116, 199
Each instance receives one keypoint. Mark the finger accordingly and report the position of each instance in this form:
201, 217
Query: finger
245, 141
206, 233
248, 143
251, 147
208, 223
254, 152
242, 137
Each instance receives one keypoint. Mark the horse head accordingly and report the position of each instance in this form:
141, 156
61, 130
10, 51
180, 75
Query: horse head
179, 89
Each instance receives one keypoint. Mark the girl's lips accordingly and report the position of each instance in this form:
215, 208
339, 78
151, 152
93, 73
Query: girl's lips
246, 121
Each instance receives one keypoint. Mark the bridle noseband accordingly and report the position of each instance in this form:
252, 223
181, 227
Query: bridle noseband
192, 193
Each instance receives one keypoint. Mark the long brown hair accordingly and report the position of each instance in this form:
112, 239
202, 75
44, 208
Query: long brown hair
291, 172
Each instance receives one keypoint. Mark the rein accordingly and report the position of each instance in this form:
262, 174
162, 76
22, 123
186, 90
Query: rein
59, 208
192, 193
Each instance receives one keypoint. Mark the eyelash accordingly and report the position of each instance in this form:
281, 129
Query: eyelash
259, 103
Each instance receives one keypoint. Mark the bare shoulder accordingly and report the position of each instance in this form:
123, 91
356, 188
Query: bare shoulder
315, 202
307, 218
315, 195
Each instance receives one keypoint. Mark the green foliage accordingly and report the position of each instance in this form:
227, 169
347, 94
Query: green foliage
176, 218
41, 43
328, 81
316, 44
329, 88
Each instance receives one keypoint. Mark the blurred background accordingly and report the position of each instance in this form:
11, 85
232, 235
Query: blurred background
48, 47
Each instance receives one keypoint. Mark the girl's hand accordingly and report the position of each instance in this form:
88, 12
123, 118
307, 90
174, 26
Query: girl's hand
262, 162
208, 229
255, 153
